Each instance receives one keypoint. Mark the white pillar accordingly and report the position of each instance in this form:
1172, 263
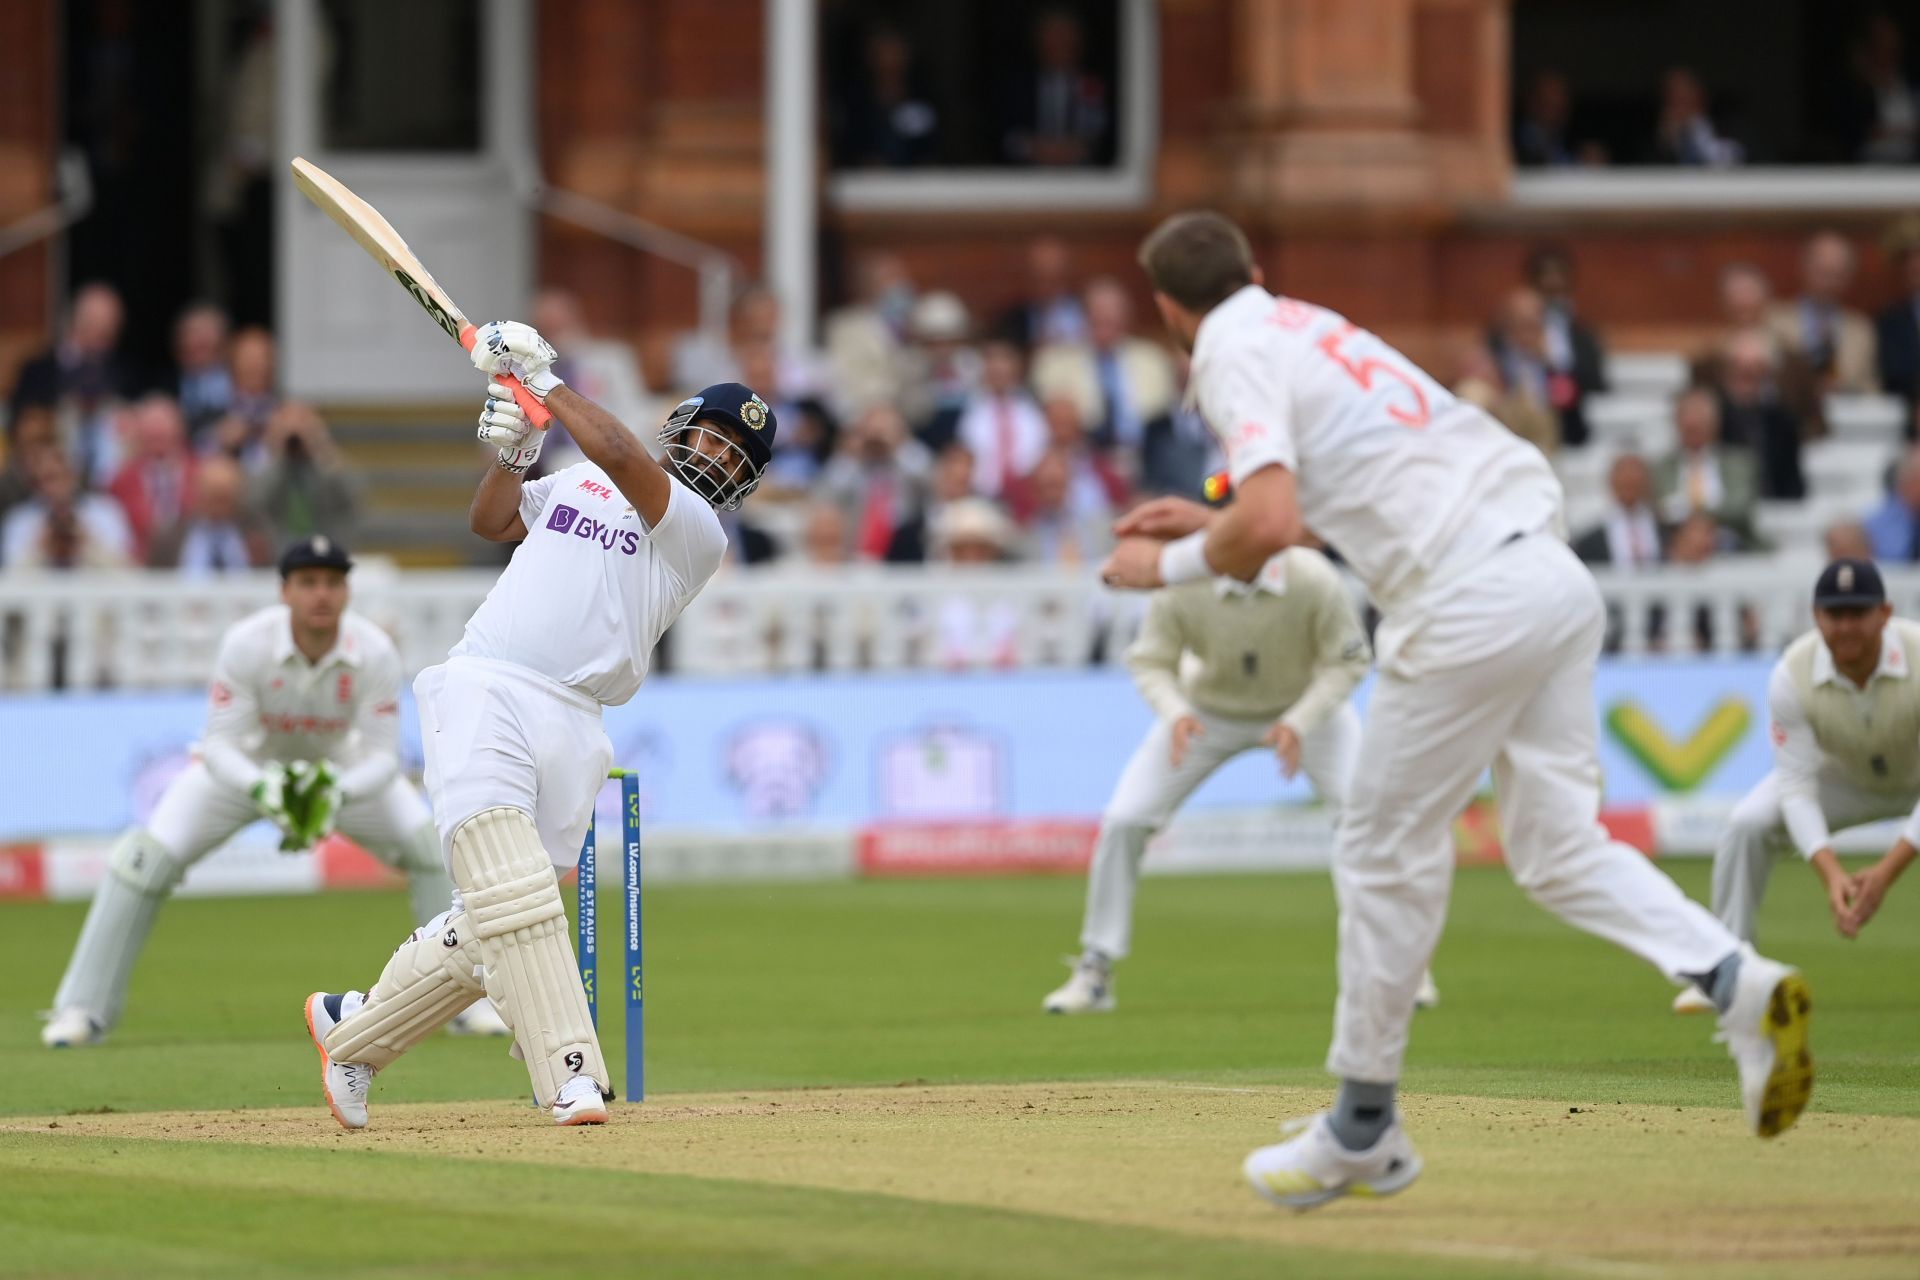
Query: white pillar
792, 118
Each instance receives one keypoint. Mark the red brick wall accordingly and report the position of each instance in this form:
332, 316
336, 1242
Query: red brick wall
27, 96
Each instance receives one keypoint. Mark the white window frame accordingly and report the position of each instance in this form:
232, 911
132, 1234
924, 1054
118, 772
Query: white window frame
1127, 184
1837, 189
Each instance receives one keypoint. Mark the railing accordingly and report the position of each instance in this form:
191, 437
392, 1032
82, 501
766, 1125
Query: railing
141, 630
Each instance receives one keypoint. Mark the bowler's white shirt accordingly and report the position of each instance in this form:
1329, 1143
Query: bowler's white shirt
591, 590
1408, 483
269, 703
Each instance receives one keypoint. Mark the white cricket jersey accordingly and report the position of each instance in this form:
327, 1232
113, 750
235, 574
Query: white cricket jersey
1411, 485
1826, 728
592, 589
269, 703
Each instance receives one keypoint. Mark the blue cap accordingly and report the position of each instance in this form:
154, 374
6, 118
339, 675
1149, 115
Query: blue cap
739, 406
1849, 584
316, 552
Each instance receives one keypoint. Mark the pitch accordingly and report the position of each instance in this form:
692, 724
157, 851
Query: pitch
854, 1079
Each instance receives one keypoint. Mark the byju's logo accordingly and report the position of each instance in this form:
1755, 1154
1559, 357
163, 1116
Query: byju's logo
562, 518
611, 537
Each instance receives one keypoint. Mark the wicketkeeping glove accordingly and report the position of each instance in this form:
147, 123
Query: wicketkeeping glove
312, 803
270, 795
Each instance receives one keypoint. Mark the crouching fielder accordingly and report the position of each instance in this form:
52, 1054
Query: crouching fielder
303, 730
1846, 738
611, 550
1273, 663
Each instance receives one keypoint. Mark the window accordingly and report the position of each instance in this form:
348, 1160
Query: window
988, 105
400, 77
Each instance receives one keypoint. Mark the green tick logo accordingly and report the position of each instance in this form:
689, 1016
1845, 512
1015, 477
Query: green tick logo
1679, 764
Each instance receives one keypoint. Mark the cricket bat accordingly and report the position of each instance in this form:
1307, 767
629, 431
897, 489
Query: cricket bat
376, 235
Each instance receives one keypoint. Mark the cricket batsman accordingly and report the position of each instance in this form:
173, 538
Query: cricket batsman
1491, 631
611, 550
1846, 747
1228, 667
303, 729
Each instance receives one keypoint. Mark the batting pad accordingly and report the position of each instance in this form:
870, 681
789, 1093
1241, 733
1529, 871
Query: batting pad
141, 873
433, 976
521, 925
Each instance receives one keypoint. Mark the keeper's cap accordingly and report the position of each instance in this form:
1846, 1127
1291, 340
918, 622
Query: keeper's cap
315, 552
1849, 584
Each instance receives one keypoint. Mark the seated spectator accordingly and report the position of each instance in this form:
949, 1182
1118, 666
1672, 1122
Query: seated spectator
1096, 480
807, 430
1573, 348
1629, 535
1685, 133
824, 542
942, 369
1000, 424
1881, 113
240, 433
1703, 476
62, 526
1894, 526
1519, 344
1745, 304
1695, 542
951, 482
1118, 381
1835, 340
1542, 133
220, 533
33, 431
153, 483
304, 487
879, 480
83, 377
1180, 450
885, 121
1480, 383
747, 543
1897, 330
1847, 540
1051, 311
699, 360
1064, 522
201, 381
866, 340
604, 370
1754, 413
972, 631
1061, 114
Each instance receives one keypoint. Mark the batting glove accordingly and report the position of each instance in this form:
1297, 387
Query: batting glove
503, 423
509, 347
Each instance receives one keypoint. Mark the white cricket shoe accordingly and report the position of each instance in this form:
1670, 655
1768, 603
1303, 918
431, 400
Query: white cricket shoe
1692, 1000
345, 1084
1765, 1029
1089, 990
580, 1102
1428, 997
71, 1029
479, 1019
1311, 1167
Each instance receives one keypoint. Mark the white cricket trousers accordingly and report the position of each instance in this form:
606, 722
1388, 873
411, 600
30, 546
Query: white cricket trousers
1497, 670
1755, 836
1151, 789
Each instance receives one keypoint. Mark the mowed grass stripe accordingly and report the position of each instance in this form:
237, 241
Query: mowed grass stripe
108, 1207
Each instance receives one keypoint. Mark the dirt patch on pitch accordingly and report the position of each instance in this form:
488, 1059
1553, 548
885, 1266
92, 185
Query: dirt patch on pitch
1627, 1191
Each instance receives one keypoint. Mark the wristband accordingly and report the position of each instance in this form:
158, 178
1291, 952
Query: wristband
1185, 560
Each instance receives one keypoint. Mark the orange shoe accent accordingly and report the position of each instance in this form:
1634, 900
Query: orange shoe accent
325, 1062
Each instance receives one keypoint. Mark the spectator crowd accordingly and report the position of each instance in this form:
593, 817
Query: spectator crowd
200, 467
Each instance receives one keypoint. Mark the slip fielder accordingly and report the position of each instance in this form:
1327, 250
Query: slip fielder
610, 551
303, 729
1845, 708
1491, 631
1227, 667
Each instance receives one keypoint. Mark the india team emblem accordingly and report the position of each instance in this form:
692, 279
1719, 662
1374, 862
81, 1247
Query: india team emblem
754, 413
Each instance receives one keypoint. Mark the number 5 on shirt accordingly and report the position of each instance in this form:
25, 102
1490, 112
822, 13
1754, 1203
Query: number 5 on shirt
1367, 368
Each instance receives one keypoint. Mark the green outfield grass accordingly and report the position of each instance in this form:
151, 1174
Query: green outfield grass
757, 987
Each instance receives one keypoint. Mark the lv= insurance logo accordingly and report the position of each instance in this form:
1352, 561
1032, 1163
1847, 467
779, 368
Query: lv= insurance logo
1683, 763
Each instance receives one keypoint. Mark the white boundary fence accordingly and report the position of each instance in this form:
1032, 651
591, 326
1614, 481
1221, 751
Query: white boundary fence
140, 630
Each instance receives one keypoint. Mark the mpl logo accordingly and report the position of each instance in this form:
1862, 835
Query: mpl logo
562, 518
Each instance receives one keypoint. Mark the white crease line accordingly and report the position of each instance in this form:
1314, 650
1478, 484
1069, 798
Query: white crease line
1539, 1257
